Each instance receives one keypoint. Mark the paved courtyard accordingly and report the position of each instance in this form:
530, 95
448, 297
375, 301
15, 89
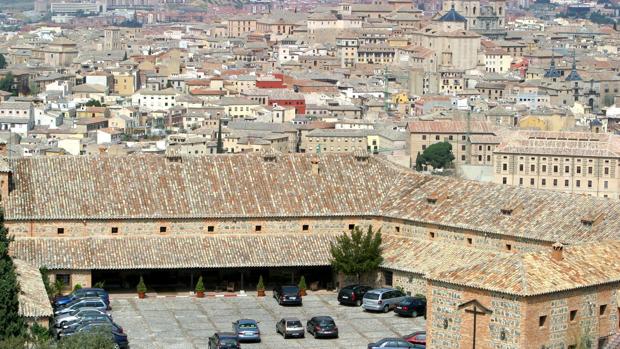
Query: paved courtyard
188, 322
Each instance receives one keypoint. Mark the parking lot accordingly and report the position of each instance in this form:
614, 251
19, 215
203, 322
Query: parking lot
188, 322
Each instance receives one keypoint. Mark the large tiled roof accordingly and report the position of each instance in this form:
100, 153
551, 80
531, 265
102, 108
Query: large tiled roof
152, 186
539, 273
171, 252
250, 185
538, 214
424, 256
33, 301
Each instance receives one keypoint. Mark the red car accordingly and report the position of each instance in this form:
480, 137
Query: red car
418, 337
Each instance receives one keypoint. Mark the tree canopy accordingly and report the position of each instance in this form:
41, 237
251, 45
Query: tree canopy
438, 155
357, 253
6, 83
11, 323
93, 103
2, 61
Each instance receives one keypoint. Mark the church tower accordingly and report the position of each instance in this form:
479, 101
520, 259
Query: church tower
470, 9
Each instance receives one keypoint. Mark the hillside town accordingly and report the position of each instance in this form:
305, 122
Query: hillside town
223, 148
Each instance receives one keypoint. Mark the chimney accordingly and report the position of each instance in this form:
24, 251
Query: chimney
315, 165
558, 251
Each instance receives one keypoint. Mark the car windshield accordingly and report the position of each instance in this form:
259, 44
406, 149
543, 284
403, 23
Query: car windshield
293, 323
289, 289
371, 295
326, 322
247, 326
407, 301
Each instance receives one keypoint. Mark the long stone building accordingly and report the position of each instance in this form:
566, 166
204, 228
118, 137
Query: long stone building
233, 217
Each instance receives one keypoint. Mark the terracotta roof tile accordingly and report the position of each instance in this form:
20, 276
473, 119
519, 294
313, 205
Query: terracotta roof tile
538, 273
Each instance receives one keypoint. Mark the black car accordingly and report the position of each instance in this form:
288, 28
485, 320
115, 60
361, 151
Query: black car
120, 339
411, 306
287, 295
322, 326
353, 294
224, 340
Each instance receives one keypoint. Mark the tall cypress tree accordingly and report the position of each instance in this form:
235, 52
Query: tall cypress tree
220, 144
11, 324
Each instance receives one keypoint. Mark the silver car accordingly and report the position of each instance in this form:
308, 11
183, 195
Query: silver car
290, 327
78, 314
90, 302
382, 299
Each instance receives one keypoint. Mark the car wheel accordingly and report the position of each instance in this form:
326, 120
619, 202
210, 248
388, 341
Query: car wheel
414, 314
358, 302
386, 308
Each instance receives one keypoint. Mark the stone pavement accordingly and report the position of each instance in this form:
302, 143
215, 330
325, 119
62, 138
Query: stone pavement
187, 322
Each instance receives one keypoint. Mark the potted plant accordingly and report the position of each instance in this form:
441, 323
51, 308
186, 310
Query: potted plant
260, 287
141, 288
200, 288
77, 287
302, 285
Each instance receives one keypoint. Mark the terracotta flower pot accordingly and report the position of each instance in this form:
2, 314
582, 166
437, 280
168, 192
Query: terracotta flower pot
261, 293
141, 295
303, 291
200, 294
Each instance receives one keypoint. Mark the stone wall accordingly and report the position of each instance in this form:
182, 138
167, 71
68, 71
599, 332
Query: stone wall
500, 243
570, 316
134, 227
81, 277
410, 282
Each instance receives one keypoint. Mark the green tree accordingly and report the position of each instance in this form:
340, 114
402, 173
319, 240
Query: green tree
419, 163
2, 61
438, 155
357, 253
34, 89
96, 339
93, 103
6, 83
11, 323
169, 84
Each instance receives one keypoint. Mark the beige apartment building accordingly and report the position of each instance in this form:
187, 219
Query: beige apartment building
335, 141
424, 133
571, 162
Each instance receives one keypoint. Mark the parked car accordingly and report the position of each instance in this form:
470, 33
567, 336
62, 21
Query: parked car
247, 330
418, 337
393, 343
290, 327
92, 302
322, 326
120, 339
411, 306
224, 340
70, 328
382, 299
82, 313
287, 295
83, 293
352, 294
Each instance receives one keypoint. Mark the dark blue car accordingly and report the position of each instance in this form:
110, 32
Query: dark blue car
82, 293
120, 339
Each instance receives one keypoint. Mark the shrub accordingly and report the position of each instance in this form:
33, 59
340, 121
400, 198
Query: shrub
302, 283
200, 287
77, 287
141, 288
260, 285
